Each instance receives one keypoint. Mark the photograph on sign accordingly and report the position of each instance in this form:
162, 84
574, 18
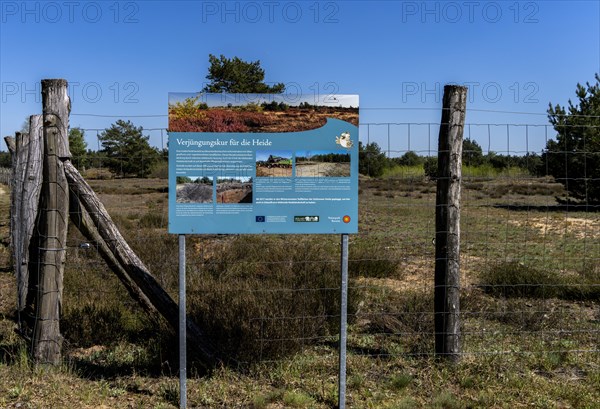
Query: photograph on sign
263, 163
194, 189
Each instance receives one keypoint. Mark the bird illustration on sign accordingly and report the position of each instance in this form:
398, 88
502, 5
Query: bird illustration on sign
344, 140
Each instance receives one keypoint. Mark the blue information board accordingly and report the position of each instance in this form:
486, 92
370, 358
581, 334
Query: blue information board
263, 182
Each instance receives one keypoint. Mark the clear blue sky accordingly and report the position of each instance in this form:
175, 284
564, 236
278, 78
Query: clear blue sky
124, 58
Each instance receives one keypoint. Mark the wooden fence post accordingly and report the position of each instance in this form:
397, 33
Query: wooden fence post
447, 224
53, 221
31, 185
19, 165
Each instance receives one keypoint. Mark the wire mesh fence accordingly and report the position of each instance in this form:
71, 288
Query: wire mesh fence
530, 264
529, 260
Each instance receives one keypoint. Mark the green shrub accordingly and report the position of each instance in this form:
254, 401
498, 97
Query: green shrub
153, 220
371, 161
367, 259
430, 167
188, 108
264, 297
160, 170
251, 107
514, 279
406, 318
91, 324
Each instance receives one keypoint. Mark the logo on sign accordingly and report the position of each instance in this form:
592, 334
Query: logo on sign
306, 219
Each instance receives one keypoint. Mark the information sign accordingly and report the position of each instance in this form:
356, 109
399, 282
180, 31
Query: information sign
252, 164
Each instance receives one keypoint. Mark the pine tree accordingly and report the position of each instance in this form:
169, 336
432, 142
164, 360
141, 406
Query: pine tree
574, 158
127, 150
237, 76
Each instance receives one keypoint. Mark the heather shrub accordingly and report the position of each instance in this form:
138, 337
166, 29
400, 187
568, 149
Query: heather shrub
262, 297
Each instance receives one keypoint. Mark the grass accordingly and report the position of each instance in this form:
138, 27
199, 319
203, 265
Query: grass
529, 300
482, 171
515, 279
404, 172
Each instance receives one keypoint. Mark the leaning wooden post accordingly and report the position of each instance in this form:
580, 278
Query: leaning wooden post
53, 221
135, 269
447, 224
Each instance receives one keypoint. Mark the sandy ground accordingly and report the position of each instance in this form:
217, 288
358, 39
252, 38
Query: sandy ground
234, 193
262, 171
323, 170
581, 228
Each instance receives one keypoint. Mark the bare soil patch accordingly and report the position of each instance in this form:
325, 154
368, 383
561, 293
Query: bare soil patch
264, 171
234, 193
581, 228
323, 170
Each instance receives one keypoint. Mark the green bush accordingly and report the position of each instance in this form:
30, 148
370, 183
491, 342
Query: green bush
91, 324
366, 259
405, 317
153, 220
160, 170
430, 167
188, 108
513, 279
264, 297
371, 161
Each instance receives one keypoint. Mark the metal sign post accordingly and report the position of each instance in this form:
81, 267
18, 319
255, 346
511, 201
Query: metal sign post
182, 327
343, 323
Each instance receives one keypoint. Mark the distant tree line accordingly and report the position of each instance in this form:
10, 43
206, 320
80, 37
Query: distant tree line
233, 180
573, 159
328, 157
373, 162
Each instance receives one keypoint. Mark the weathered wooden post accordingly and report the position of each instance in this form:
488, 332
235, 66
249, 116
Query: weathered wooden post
53, 221
26, 151
447, 224
19, 163
31, 185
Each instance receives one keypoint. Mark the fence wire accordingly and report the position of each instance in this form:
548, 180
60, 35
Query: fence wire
530, 260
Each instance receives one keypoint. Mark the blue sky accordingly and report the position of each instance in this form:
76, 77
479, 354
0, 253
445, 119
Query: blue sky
123, 58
